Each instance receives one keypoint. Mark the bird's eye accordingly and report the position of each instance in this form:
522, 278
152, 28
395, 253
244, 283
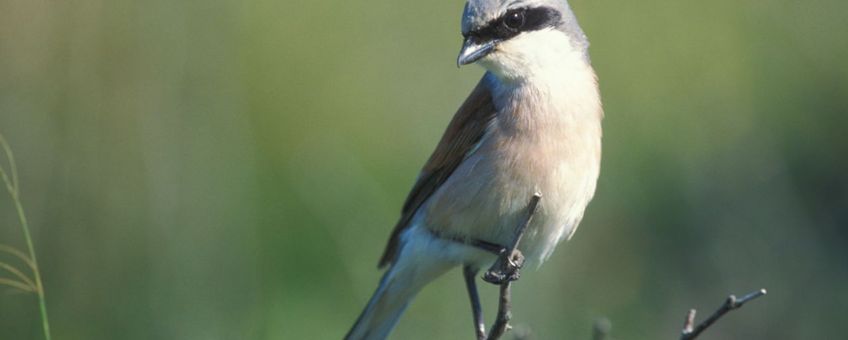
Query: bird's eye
514, 20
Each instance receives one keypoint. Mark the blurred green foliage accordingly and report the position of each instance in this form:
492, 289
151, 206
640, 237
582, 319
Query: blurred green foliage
231, 169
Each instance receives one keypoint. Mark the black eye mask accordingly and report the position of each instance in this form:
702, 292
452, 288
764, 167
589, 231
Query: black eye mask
516, 21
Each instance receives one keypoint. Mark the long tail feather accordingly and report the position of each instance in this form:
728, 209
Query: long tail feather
415, 267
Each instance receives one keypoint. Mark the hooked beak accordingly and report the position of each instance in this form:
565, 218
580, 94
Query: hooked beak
472, 50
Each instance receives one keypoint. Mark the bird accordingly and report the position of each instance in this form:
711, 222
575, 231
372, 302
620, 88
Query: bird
532, 125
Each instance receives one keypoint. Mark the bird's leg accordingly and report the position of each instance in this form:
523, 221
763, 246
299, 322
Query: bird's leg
470, 275
506, 267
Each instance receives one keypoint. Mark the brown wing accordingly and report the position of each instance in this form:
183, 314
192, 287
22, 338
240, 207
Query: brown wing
463, 133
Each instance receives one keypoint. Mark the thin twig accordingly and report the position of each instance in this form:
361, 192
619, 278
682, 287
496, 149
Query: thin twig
506, 269
691, 332
510, 260
504, 312
530, 211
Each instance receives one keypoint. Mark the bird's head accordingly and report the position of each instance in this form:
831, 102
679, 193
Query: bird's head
518, 38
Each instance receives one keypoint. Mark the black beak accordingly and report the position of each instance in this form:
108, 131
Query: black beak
473, 50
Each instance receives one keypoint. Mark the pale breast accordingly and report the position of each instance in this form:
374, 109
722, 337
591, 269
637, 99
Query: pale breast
486, 196
546, 138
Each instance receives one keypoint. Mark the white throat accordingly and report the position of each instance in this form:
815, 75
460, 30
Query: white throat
537, 54
541, 74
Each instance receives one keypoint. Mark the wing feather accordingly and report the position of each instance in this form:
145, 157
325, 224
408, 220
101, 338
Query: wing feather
464, 132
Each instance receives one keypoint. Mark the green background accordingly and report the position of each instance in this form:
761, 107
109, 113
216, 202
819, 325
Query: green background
210, 169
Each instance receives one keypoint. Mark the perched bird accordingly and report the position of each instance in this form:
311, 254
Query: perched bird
531, 125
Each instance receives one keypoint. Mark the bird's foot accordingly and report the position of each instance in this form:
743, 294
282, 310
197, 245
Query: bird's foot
506, 269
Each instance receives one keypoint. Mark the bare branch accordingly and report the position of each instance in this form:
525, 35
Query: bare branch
692, 332
510, 260
501, 325
506, 269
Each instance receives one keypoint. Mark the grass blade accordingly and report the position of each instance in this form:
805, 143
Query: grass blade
12, 186
15, 284
19, 254
17, 273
